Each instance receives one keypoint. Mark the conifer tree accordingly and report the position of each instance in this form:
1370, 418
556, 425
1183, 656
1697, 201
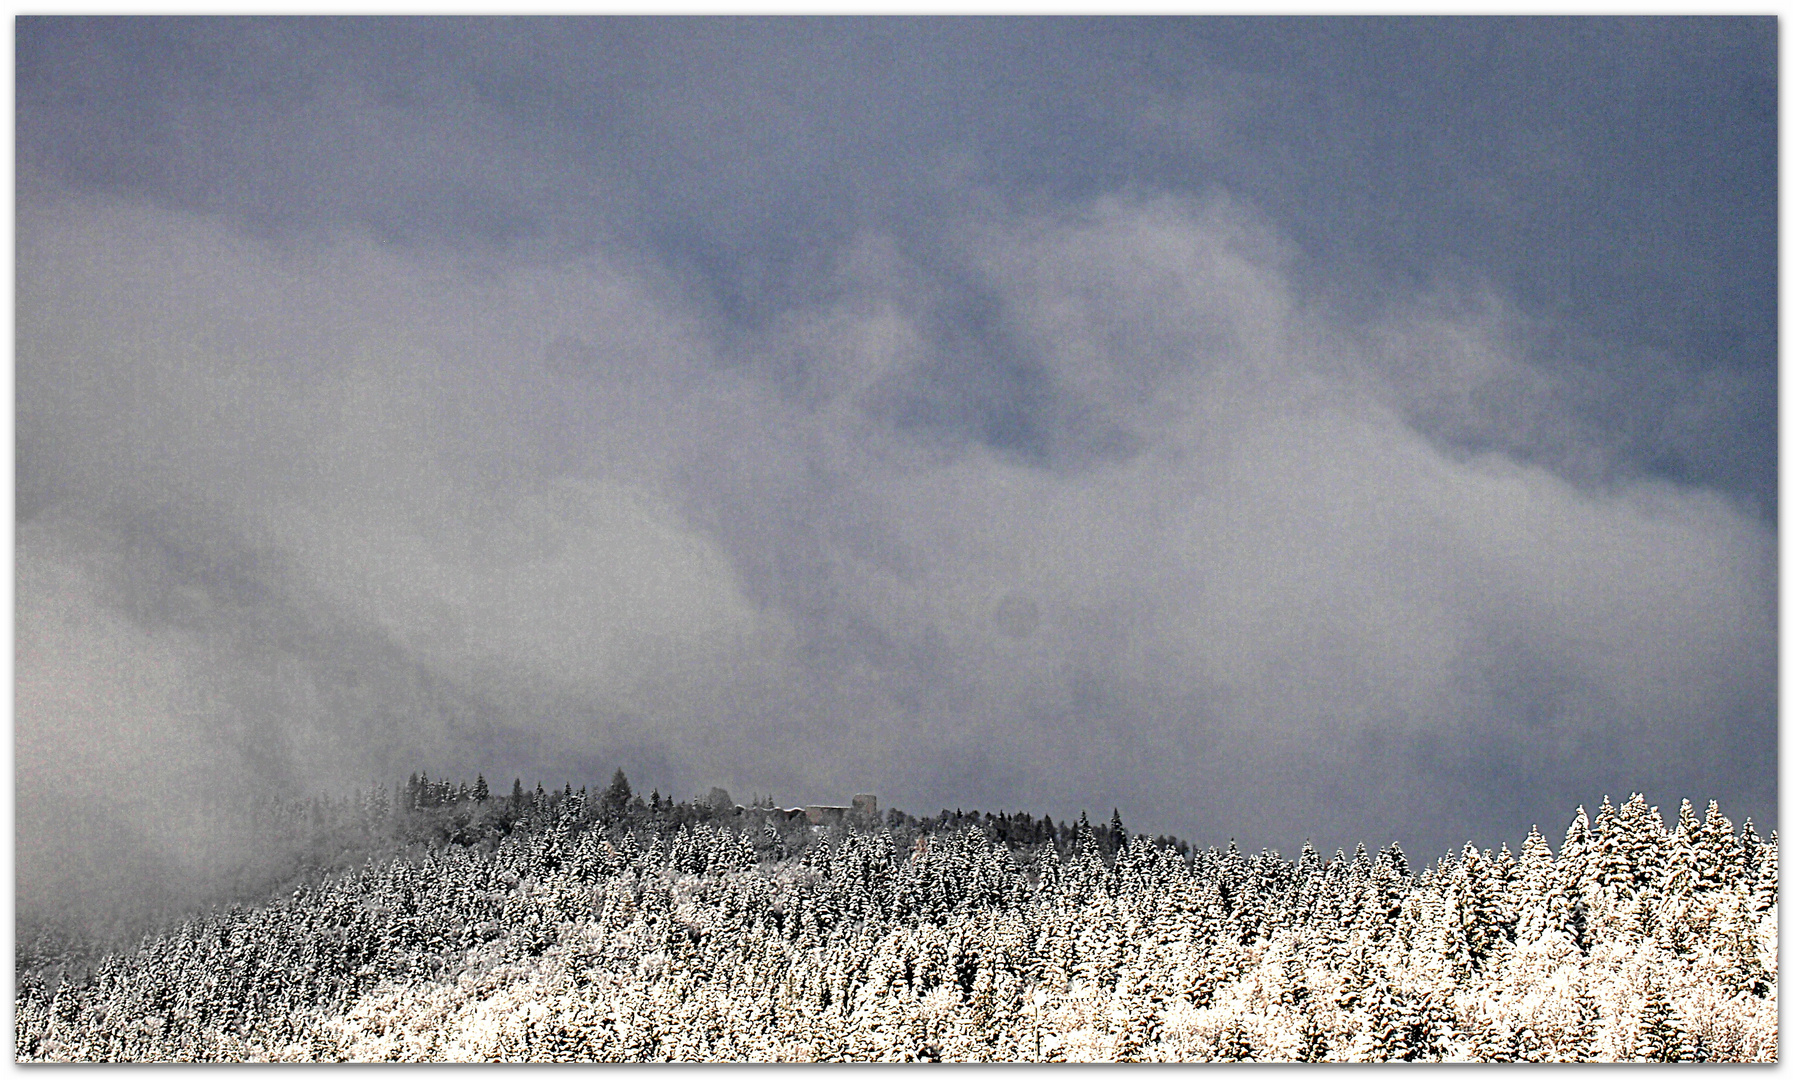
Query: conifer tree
1659, 1037
615, 804
1577, 879
1721, 853
1531, 887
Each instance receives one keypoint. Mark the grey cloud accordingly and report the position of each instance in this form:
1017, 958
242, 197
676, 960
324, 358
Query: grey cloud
1613, 178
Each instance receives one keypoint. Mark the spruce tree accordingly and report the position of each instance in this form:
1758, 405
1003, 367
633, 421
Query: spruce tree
1659, 1036
615, 804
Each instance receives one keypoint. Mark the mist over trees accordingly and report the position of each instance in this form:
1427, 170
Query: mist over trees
560, 925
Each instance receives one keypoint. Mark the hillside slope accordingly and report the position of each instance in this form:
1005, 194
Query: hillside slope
614, 930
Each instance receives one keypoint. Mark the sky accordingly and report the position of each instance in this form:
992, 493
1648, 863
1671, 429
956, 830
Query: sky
1273, 429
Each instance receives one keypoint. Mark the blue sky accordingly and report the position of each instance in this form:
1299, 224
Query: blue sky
1373, 420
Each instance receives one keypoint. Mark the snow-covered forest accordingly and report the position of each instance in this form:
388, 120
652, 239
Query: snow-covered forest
549, 926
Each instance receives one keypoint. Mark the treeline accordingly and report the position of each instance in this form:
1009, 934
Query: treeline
665, 931
468, 814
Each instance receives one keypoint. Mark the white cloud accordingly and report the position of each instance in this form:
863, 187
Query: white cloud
1268, 593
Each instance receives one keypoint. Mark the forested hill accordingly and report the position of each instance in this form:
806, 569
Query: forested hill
545, 925
301, 841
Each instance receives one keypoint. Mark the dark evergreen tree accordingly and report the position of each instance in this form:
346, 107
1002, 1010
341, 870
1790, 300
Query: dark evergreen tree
1659, 1036
616, 797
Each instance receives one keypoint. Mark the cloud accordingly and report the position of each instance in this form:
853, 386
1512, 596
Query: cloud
1288, 573
1091, 506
